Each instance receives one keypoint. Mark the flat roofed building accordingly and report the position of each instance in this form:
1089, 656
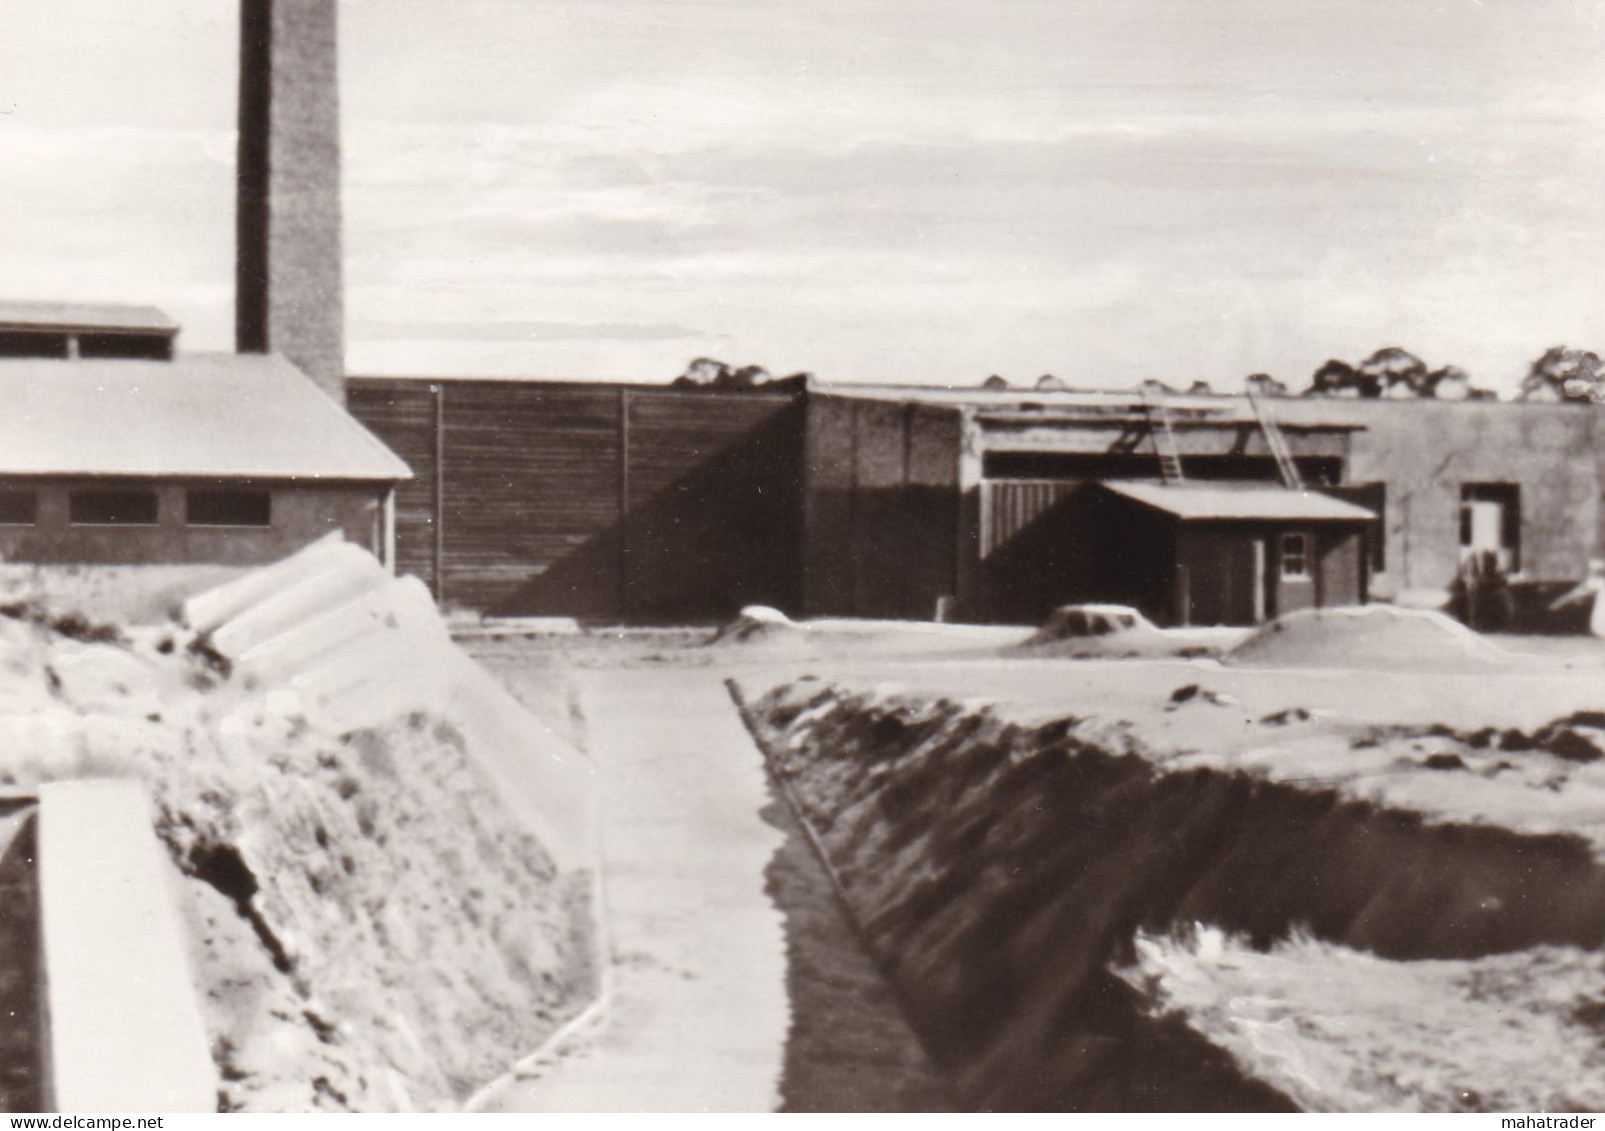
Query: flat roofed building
64, 331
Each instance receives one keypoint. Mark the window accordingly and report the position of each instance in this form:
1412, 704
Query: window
33, 343
112, 506
228, 507
19, 508
1295, 556
1490, 524
149, 347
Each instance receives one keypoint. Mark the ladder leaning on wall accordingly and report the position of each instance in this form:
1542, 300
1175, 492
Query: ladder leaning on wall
1277, 442
1164, 437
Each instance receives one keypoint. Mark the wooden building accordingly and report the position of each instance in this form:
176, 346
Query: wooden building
651, 503
1221, 553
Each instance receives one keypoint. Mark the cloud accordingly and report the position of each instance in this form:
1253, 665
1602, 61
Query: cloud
515, 331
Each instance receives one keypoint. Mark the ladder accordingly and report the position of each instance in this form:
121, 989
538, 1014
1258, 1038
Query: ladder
1164, 438
1277, 442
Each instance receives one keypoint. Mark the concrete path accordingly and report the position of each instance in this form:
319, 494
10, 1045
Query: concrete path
698, 1013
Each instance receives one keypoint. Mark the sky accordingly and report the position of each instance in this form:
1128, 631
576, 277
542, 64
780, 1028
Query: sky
922, 191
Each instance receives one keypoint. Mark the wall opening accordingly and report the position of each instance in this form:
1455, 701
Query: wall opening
33, 343
228, 507
1490, 524
112, 506
19, 508
1316, 470
139, 347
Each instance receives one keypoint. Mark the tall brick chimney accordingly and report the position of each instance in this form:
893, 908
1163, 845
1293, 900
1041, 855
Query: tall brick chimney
288, 295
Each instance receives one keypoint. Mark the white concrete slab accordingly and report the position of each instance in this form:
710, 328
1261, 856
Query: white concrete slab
125, 1028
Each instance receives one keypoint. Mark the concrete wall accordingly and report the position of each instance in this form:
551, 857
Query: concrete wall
125, 1026
1424, 451
882, 507
301, 514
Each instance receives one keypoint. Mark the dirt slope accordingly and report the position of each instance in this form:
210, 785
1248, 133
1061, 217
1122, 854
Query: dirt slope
372, 929
1006, 872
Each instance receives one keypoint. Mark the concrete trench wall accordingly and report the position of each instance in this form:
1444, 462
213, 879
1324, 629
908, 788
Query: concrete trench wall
1000, 873
98, 1011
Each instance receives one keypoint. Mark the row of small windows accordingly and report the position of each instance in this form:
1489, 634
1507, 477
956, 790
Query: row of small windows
125, 506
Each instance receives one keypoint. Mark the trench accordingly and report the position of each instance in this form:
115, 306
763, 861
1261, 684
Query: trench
1000, 873
848, 1046
24, 1037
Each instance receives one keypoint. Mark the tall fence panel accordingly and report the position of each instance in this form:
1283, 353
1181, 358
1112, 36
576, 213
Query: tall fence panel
603, 501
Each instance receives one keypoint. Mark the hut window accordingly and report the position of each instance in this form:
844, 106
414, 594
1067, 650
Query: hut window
233, 507
19, 508
117, 506
1295, 555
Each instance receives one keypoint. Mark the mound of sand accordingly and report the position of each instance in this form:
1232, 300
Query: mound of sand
373, 925
1341, 1030
757, 623
1368, 638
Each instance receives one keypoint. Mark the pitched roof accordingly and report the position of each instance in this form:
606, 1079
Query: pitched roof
228, 415
1189, 501
84, 316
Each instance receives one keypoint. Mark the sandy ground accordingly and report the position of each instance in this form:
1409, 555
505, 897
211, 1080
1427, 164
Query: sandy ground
1378, 735
1448, 735
696, 1019
371, 926
736, 982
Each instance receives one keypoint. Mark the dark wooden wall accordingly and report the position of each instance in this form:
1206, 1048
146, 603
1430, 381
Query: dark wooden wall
599, 501
882, 507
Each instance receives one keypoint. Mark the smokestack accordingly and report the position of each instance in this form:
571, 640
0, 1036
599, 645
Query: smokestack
288, 293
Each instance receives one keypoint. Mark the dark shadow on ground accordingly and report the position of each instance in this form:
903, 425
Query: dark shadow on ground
849, 1048
22, 1034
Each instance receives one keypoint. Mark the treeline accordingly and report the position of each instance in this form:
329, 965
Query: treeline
1561, 374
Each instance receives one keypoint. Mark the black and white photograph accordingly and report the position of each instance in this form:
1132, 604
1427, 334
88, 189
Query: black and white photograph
754, 556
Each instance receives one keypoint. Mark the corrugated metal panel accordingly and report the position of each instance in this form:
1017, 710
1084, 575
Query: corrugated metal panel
1009, 505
